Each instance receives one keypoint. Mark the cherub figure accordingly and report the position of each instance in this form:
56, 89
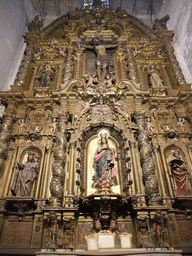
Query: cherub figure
158, 51
180, 124
22, 125
109, 81
61, 52
53, 125
52, 43
92, 80
144, 42
79, 47
117, 106
39, 54
136, 52
87, 106
149, 124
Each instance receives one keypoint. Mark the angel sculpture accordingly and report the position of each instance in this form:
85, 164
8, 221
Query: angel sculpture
149, 124
53, 125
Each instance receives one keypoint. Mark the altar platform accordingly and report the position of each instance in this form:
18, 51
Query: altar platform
114, 252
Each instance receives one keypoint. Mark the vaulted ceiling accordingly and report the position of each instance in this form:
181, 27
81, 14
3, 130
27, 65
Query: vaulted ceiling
140, 8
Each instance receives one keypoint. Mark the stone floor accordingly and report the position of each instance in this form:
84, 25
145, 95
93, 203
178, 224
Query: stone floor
114, 252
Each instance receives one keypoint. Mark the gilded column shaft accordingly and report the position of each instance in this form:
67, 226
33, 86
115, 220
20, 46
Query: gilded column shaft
8, 177
166, 173
76, 175
78, 58
4, 138
33, 78
116, 66
45, 179
71, 168
37, 194
139, 172
156, 150
83, 63
141, 77
131, 65
59, 78
121, 60
68, 72
166, 78
135, 168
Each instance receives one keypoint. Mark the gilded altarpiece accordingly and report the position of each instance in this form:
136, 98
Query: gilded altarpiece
96, 137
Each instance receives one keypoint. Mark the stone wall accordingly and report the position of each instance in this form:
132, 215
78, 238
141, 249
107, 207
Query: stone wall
181, 23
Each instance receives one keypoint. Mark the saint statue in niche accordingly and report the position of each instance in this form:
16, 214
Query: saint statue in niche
25, 175
46, 75
53, 125
22, 125
180, 175
180, 124
105, 167
154, 78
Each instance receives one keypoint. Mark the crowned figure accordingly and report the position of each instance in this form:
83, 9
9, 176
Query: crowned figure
105, 167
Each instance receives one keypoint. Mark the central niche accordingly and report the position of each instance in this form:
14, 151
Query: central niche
102, 164
91, 58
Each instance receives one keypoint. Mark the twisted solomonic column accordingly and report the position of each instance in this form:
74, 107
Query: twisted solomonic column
131, 65
68, 72
147, 163
58, 167
4, 137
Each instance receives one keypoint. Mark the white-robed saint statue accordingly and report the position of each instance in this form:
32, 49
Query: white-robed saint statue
155, 80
